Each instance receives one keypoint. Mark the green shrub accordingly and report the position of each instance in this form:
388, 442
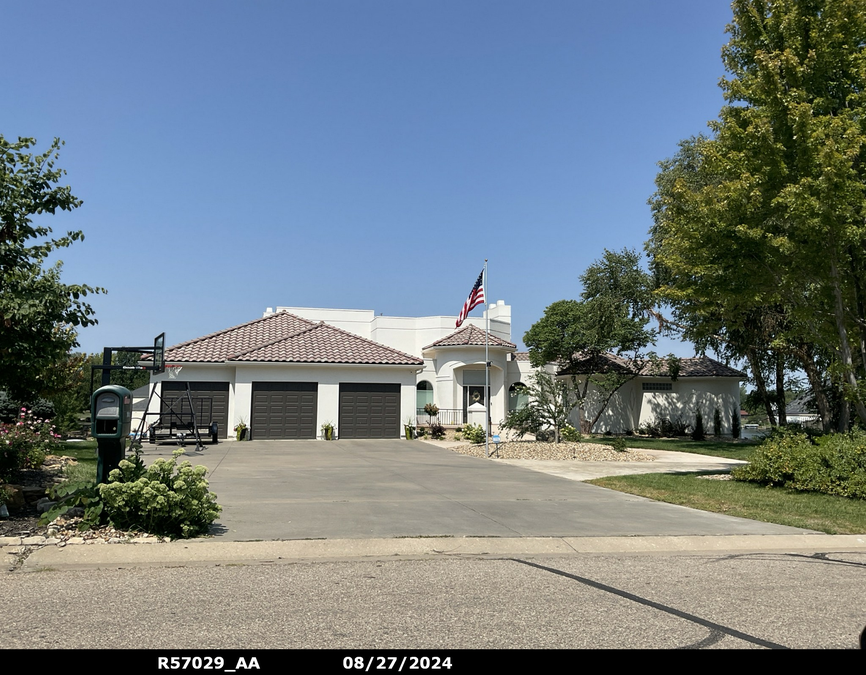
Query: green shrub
735, 424
663, 427
570, 434
698, 433
70, 495
618, 444
834, 464
165, 498
474, 433
717, 423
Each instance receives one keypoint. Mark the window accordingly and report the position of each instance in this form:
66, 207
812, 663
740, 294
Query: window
518, 397
423, 394
658, 386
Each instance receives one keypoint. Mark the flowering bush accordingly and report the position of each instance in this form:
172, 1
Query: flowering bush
24, 444
166, 498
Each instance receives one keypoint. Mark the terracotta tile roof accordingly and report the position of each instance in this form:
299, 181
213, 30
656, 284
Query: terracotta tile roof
598, 363
286, 338
323, 343
698, 366
520, 356
703, 366
470, 335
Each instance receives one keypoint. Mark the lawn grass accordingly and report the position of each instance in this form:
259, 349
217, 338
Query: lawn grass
716, 448
85, 453
809, 510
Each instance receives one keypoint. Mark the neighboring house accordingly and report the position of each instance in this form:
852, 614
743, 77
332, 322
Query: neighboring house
802, 411
703, 384
297, 368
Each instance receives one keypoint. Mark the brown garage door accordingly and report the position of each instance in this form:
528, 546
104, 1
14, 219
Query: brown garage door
284, 410
369, 411
210, 399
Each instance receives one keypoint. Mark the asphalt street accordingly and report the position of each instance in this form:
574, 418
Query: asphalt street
372, 545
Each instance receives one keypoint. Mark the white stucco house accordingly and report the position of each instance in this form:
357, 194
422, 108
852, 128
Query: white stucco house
296, 368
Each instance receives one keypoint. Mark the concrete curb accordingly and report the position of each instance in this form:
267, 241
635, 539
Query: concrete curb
209, 552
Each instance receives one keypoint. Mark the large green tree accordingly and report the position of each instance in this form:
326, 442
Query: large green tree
770, 217
598, 342
39, 314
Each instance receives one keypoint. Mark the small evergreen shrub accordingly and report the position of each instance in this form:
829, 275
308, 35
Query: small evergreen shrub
717, 423
663, 427
698, 433
736, 430
618, 444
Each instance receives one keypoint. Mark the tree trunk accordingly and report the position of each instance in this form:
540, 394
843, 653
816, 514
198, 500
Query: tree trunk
807, 361
761, 384
844, 347
780, 390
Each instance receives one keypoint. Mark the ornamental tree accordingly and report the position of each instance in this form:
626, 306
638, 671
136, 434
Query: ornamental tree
598, 342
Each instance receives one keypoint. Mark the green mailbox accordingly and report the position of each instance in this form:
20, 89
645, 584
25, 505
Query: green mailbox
110, 422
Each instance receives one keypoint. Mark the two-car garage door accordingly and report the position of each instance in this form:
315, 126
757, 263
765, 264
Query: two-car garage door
289, 410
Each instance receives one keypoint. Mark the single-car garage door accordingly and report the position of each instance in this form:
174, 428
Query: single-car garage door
369, 411
210, 399
284, 410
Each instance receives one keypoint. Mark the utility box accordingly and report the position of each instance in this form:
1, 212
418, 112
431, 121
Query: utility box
110, 423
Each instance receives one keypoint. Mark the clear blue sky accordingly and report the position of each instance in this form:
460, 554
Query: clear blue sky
237, 155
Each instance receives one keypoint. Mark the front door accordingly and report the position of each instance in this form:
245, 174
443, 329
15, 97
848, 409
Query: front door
472, 393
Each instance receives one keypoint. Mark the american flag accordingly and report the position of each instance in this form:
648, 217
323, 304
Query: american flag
476, 297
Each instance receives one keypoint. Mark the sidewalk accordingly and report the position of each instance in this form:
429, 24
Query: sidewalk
666, 461
209, 552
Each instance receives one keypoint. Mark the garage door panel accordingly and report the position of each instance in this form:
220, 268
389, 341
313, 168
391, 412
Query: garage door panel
210, 400
284, 410
369, 410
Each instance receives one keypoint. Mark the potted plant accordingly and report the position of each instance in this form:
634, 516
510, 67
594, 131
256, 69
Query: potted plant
328, 431
241, 431
409, 428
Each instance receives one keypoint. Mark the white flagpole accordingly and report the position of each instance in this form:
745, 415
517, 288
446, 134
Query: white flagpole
486, 363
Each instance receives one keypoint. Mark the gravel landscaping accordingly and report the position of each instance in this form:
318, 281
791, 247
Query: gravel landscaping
584, 452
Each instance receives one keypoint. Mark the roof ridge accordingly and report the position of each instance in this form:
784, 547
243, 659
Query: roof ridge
282, 338
232, 328
469, 327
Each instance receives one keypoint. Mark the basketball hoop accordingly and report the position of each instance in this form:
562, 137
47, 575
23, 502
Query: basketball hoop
173, 371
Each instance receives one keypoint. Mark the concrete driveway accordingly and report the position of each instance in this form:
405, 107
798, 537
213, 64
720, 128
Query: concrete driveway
363, 489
